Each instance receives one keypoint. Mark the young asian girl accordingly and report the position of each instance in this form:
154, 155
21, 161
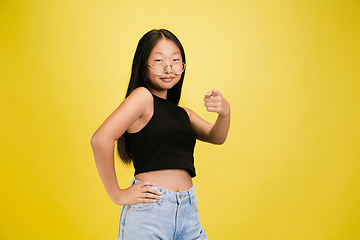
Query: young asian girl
158, 138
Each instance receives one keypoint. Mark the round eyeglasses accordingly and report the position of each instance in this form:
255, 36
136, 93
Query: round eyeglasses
177, 67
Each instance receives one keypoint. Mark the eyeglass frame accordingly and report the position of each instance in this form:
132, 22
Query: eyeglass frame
152, 67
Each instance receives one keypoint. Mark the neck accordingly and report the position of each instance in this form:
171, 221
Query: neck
159, 93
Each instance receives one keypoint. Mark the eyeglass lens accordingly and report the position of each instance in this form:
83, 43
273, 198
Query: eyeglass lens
159, 67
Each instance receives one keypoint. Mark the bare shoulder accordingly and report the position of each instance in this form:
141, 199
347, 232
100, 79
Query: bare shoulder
138, 102
141, 94
132, 108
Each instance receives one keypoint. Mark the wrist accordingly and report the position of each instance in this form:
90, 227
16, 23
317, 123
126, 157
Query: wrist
116, 196
225, 111
224, 114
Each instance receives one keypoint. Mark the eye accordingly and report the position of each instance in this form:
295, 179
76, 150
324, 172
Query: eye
176, 60
158, 60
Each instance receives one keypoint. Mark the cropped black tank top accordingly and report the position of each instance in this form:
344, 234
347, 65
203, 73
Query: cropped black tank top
166, 142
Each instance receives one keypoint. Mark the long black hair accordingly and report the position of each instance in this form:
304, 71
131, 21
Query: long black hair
140, 77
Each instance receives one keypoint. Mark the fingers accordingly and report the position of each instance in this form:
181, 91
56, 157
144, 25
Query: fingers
148, 200
152, 191
212, 93
215, 92
208, 94
213, 106
143, 184
147, 196
146, 193
213, 101
146, 187
142, 192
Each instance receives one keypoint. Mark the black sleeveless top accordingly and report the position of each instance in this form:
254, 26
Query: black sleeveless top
166, 142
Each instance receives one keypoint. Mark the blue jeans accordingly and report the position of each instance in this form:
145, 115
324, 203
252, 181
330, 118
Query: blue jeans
173, 217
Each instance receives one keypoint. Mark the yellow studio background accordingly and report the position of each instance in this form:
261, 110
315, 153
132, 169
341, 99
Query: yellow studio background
290, 69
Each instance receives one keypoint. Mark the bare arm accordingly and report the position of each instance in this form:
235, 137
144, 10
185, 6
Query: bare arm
102, 142
213, 133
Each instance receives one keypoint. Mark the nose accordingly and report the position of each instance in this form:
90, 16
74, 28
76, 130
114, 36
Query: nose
168, 68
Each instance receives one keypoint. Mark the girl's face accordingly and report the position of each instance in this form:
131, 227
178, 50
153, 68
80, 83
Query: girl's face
167, 52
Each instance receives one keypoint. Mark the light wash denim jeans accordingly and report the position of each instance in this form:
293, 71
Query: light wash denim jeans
174, 217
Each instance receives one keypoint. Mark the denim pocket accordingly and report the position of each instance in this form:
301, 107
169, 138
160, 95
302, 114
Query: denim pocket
141, 207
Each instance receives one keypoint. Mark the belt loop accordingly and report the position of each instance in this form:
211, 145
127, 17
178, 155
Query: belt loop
191, 197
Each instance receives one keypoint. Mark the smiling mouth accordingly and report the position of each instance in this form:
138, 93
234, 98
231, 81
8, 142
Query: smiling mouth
167, 79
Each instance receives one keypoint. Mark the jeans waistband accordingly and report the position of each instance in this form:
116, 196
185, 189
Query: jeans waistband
176, 197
